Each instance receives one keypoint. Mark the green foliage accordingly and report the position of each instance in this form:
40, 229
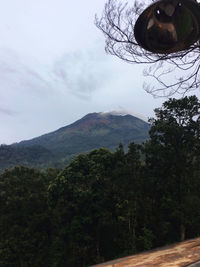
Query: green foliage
146, 239
104, 205
35, 156
172, 156
24, 220
58, 148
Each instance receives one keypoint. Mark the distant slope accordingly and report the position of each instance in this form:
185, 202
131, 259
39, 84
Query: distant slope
36, 156
92, 131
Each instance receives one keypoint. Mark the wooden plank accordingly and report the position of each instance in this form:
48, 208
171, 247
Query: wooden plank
178, 255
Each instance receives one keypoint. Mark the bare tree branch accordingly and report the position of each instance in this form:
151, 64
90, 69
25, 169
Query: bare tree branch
117, 24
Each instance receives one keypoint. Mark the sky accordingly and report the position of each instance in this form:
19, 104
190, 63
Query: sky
54, 70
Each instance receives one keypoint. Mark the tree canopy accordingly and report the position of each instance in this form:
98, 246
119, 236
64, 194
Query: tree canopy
104, 205
172, 155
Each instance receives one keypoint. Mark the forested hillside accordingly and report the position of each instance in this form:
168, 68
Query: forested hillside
56, 149
103, 204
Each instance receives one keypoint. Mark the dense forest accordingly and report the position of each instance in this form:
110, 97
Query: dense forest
106, 205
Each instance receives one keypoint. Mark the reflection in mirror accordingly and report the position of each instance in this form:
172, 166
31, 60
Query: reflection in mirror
168, 26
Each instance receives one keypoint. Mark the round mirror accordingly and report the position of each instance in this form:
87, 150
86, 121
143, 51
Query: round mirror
168, 26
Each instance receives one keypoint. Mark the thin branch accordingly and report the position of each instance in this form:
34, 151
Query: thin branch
117, 24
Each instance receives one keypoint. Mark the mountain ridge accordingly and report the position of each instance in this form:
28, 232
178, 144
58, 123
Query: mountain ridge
92, 131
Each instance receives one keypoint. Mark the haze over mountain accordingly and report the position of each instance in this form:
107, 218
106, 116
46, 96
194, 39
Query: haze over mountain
57, 148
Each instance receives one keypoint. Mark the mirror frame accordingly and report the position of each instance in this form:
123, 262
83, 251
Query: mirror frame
141, 35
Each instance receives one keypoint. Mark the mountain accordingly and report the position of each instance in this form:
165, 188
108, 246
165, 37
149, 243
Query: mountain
92, 131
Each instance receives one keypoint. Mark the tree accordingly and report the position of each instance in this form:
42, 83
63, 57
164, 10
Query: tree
173, 160
174, 73
80, 201
24, 219
96, 202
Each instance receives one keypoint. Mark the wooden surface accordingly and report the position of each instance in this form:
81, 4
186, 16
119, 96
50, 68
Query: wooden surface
182, 254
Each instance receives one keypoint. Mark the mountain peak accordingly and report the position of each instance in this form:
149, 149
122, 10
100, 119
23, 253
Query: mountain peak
103, 117
123, 112
94, 130
114, 113
104, 114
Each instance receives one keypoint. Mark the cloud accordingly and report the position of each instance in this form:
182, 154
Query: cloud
18, 75
77, 73
82, 73
8, 112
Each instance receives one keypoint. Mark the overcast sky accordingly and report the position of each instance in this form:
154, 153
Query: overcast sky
53, 69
